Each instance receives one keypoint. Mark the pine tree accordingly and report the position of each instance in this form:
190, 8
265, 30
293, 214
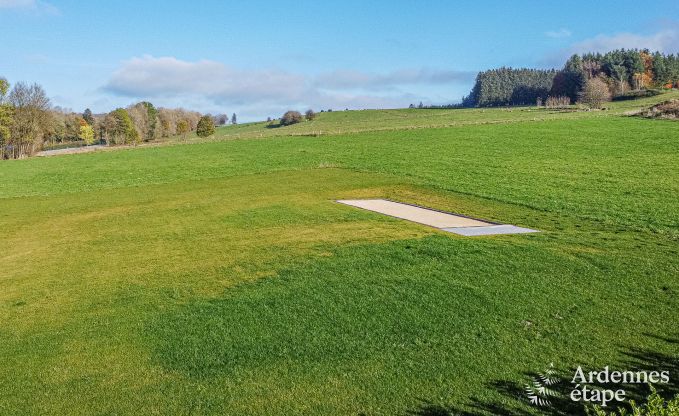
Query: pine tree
88, 117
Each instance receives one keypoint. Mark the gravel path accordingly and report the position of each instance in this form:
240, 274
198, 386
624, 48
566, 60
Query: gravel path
71, 150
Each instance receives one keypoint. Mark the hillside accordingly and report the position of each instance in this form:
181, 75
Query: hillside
343, 122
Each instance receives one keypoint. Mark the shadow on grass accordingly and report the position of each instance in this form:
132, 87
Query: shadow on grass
514, 401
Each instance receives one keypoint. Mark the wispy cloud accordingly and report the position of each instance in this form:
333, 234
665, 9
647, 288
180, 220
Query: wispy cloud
558, 34
345, 79
29, 5
172, 78
664, 40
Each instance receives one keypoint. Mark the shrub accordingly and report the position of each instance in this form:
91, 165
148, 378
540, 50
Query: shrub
291, 117
310, 115
655, 406
206, 127
595, 93
561, 101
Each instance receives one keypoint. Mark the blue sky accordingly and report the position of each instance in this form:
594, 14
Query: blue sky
259, 58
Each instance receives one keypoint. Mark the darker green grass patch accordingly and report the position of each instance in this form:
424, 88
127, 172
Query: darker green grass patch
432, 318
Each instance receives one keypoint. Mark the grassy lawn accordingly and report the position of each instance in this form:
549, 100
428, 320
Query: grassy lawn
221, 278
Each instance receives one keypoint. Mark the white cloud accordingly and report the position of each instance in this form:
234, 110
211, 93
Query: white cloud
346, 79
557, 34
174, 80
664, 41
32, 5
168, 77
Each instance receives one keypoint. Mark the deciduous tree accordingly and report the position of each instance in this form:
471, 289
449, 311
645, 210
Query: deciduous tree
595, 93
5, 117
87, 134
120, 129
183, 128
31, 119
291, 117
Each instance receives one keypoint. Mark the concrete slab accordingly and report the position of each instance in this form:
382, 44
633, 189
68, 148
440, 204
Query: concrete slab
444, 221
490, 230
413, 213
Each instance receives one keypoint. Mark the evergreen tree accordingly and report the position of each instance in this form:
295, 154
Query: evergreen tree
206, 127
508, 86
571, 80
88, 117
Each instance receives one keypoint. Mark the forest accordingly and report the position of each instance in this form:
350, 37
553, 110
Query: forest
618, 74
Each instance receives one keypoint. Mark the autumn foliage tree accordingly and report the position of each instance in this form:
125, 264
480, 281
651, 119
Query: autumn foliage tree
183, 128
119, 128
87, 134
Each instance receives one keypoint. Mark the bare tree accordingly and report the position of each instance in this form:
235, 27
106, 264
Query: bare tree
595, 93
31, 118
592, 68
140, 119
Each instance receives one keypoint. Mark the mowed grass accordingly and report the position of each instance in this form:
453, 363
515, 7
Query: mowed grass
221, 278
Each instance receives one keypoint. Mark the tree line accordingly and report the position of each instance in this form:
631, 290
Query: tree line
509, 86
29, 123
615, 73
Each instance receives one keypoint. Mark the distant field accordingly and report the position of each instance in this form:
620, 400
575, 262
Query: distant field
220, 277
341, 122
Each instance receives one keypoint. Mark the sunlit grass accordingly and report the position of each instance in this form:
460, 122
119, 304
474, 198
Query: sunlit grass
221, 278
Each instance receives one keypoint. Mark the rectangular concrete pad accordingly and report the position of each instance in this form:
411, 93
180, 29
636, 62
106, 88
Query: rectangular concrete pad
490, 230
420, 215
444, 221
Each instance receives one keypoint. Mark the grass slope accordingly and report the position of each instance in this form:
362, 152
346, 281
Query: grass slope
343, 122
220, 278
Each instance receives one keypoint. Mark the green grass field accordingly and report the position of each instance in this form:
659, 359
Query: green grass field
219, 277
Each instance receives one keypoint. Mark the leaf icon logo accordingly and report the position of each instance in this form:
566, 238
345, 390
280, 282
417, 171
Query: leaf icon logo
538, 391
